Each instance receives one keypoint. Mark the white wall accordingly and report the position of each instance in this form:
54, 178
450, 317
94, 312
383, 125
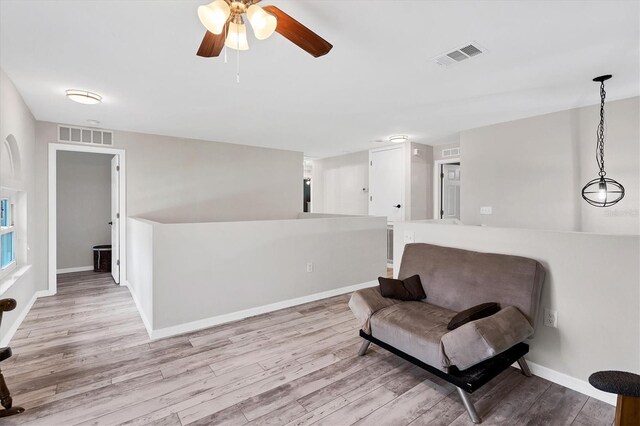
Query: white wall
592, 282
140, 273
419, 181
83, 206
337, 184
22, 285
206, 271
174, 179
531, 171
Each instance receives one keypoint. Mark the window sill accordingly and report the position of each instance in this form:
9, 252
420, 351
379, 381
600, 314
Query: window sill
12, 277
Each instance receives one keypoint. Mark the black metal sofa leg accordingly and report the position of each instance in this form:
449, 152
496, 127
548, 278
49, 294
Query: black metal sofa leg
364, 347
466, 400
524, 367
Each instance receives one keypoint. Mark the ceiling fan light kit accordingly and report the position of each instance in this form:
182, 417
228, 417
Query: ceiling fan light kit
225, 27
602, 191
214, 15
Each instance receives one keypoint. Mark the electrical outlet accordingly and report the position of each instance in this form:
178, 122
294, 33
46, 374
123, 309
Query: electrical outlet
409, 237
310, 267
486, 210
550, 318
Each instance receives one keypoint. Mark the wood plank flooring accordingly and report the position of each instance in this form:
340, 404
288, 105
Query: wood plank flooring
83, 357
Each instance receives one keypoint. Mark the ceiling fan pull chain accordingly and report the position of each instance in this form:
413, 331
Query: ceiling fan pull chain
226, 35
238, 54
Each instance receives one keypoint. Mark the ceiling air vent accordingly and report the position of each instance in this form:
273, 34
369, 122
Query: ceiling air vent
85, 135
464, 52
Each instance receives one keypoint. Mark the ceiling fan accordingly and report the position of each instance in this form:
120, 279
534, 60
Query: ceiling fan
224, 22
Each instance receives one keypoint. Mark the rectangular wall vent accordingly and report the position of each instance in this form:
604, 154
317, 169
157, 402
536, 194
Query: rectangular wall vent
85, 135
451, 152
459, 54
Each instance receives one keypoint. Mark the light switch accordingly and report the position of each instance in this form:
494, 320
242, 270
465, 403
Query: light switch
486, 210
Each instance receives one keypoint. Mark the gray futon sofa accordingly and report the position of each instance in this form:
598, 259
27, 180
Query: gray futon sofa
455, 280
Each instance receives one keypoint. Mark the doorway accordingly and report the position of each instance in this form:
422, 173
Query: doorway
71, 244
447, 189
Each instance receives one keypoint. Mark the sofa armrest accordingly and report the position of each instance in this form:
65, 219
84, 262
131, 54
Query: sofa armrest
366, 302
485, 338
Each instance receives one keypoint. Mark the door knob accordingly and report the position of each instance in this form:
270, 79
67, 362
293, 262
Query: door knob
110, 223
397, 206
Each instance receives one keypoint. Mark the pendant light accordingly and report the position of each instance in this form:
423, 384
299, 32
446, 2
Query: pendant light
602, 191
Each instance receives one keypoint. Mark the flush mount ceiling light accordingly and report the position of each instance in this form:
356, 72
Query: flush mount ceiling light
398, 138
225, 26
83, 97
602, 191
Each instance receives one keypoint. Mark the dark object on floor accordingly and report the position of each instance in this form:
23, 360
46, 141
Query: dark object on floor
453, 280
627, 386
5, 353
482, 310
102, 258
407, 289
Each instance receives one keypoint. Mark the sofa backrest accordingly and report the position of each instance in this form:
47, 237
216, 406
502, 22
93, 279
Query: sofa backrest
459, 279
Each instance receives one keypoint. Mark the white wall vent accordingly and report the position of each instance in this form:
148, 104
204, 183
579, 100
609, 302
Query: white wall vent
450, 152
459, 54
85, 135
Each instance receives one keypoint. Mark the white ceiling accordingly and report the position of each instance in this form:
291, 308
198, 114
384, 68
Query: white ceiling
378, 79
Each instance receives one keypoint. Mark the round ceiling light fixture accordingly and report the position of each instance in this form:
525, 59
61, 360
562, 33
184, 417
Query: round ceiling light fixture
398, 138
83, 97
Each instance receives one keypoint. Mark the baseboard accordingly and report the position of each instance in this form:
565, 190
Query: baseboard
570, 382
238, 315
23, 314
145, 320
77, 269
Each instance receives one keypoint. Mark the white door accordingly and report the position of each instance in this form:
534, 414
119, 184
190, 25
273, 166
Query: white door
386, 184
115, 218
450, 201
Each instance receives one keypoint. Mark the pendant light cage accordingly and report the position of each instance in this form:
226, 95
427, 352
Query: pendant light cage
602, 191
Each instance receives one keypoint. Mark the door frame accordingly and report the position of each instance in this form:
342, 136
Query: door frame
53, 226
436, 182
403, 168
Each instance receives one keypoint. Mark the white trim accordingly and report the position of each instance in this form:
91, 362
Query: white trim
570, 382
436, 183
238, 315
53, 150
76, 269
145, 320
23, 314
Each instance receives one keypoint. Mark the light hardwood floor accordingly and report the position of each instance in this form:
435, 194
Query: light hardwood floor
83, 357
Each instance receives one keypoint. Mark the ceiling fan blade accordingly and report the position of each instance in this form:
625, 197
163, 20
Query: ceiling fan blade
298, 34
212, 44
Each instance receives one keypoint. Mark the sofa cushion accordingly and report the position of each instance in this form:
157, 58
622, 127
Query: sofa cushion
366, 302
457, 279
407, 289
415, 328
485, 338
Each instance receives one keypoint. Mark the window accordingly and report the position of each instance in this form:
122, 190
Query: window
7, 236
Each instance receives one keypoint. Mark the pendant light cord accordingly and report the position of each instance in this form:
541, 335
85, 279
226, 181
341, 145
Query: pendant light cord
600, 133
